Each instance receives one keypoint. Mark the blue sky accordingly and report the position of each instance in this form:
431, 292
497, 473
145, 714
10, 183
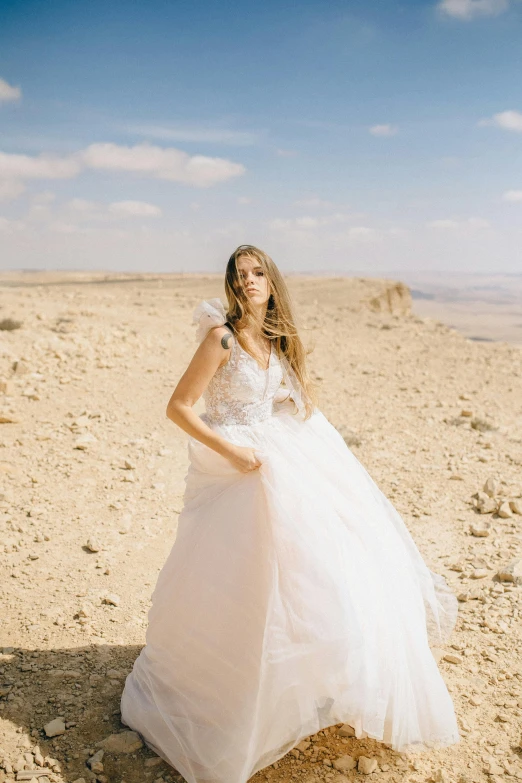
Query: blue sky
341, 136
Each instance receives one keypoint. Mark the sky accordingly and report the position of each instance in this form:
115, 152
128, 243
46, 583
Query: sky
365, 136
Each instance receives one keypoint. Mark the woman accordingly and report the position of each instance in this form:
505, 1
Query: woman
294, 597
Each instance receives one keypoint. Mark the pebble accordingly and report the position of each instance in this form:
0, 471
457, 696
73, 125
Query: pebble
484, 503
452, 658
480, 529
93, 545
345, 763
111, 599
491, 487
346, 731
504, 510
516, 506
95, 762
366, 765
55, 727
512, 572
124, 742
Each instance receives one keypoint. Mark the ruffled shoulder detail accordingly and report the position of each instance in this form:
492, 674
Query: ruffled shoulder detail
208, 313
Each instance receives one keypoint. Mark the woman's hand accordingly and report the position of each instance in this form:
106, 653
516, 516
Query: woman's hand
243, 458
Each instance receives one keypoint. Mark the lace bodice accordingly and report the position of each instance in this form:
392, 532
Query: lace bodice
240, 392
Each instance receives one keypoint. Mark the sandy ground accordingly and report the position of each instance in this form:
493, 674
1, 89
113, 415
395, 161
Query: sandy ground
91, 483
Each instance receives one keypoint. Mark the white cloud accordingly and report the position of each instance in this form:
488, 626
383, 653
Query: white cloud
383, 130
281, 153
134, 209
507, 120
10, 190
144, 159
512, 195
8, 226
8, 92
82, 205
161, 163
471, 9
20, 167
307, 222
44, 197
243, 200
313, 203
468, 223
196, 135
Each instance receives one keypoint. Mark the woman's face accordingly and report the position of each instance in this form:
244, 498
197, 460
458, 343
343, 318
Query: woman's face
253, 280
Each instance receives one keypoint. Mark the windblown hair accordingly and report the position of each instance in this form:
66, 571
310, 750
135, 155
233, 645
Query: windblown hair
279, 322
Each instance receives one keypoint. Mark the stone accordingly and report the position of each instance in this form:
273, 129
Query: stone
512, 572
344, 763
479, 573
452, 658
156, 761
55, 727
124, 742
93, 545
516, 505
84, 441
475, 700
346, 731
484, 503
493, 768
480, 529
111, 599
366, 766
504, 510
491, 487
95, 762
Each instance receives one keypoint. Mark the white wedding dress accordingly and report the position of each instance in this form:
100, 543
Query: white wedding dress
293, 598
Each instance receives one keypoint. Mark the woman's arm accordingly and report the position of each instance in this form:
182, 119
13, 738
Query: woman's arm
212, 352
210, 355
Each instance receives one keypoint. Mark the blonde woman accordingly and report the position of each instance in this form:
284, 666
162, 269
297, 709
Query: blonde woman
294, 597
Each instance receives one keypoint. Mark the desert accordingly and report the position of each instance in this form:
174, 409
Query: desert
91, 485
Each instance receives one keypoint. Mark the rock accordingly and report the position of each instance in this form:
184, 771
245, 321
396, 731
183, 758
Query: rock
479, 573
504, 510
111, 599
55, 727
93, 545
344, 763
475, 700
124, 742
516, 505
493, 768
95, 762
156, 761
84, 441
452, 658
466, 413
440, 776
512, 572
484, 503
8, 418
346, 731
480, 529
366, 766
491, 487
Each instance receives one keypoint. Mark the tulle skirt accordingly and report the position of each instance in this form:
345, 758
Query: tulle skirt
293, 598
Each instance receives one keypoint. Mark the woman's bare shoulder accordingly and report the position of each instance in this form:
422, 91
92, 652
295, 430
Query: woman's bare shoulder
220, 339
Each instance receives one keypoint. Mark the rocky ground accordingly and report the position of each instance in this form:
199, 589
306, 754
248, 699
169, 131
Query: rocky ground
92, 478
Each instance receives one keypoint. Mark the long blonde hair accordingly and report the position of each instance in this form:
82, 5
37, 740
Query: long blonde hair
279, 322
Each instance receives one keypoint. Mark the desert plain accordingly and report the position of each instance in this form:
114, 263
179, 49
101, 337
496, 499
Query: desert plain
91, 486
